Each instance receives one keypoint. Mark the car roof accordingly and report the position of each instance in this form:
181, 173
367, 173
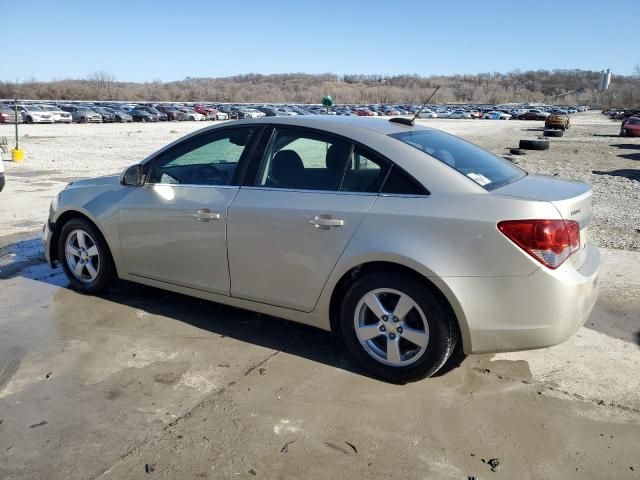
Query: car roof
335, 123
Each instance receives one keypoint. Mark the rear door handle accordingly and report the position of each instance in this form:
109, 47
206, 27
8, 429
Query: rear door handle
325, 222
206, 215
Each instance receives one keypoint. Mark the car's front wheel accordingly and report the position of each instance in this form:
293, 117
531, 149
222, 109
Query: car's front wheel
84, 256
396, 327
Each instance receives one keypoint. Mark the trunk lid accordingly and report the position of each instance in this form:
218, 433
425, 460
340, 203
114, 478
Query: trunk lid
571, 199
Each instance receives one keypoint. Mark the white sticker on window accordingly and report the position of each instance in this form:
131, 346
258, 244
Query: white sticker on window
479, 178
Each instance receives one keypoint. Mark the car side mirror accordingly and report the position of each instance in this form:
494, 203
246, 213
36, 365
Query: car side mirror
132, 176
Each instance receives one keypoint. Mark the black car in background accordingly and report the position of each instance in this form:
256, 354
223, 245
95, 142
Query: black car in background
163, 117
107, 116
140, 115
172, 113
268, 111
121, 115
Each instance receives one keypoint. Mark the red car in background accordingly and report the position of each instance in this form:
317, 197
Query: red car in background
363, 112
630, 127
7, 115
211, 113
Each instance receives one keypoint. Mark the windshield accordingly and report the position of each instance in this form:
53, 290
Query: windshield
484, 168
35, 108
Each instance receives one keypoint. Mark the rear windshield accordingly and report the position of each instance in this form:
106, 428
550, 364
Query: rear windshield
484, 168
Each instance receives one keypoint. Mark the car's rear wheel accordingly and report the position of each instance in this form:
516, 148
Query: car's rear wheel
84, 256
397, 328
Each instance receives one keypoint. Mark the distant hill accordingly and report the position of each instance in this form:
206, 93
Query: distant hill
517, 86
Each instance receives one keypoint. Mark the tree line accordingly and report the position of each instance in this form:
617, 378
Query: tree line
513, 87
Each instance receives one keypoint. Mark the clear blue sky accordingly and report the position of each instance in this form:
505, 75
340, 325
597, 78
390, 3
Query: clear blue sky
139, 40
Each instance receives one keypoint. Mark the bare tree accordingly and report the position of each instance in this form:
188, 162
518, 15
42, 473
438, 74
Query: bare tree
103, 82
516, 86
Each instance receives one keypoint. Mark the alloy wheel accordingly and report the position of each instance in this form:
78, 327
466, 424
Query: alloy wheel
391, 327
83, 257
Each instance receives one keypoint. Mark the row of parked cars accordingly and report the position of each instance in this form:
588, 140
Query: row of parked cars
107, 112
630, 117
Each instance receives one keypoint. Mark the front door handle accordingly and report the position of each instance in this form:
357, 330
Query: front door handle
206, 215
326, 222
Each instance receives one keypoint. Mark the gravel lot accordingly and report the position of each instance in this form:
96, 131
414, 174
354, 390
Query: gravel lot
590, 151
139, 382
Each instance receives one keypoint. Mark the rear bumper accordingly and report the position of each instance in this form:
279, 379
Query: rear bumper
523, 313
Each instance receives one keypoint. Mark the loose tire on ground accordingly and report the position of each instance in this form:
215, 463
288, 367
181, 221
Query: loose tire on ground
104, 264
441, 330
553, 133
534, 144
517, 151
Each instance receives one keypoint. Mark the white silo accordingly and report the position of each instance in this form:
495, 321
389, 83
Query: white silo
607, 79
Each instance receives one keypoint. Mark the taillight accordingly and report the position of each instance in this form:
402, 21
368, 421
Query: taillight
550, 242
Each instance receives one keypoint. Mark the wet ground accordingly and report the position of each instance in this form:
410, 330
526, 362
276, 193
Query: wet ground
140, 380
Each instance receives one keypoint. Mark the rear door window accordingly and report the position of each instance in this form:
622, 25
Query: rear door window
304, 160
484, 168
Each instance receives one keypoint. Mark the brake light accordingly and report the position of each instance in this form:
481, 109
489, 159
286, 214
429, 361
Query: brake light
550, 242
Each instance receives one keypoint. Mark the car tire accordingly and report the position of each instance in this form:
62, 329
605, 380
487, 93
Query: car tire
517, 151
96, 265
83, 119
553, 133
29, 120
534, 144
427, 321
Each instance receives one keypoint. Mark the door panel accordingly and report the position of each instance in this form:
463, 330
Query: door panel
276, 255
177, 234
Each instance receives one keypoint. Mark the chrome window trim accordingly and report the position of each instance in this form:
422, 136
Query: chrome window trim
302, 190
404, 195
190, 185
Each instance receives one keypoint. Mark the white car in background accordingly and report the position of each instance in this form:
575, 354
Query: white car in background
59, 116
252, 113
459, 114
496, 115
35, 114
427, 114
218, 115
193, 115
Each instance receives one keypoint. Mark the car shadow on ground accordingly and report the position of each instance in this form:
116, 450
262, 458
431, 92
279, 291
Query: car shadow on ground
631, 156
626, 146
630, 173
226, 321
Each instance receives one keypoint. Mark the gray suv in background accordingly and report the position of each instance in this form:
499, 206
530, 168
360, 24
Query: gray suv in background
82, 114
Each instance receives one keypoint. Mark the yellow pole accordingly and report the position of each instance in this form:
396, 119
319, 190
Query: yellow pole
17, 154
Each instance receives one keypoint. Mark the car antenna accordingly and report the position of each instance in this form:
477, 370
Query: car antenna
410, 123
